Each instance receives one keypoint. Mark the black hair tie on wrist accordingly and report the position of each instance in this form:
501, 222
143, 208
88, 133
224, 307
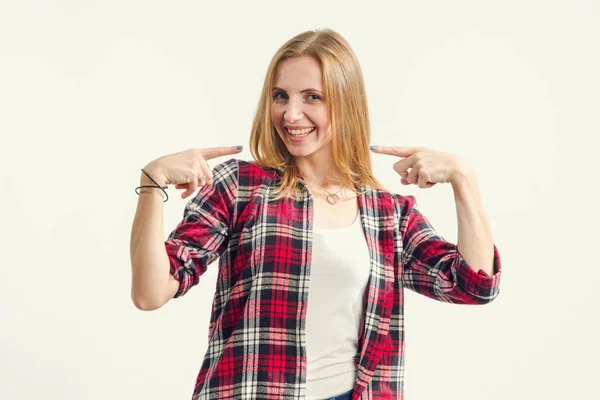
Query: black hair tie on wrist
157, 186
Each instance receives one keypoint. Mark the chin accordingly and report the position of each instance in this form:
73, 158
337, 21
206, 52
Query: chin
298, 153
301, 151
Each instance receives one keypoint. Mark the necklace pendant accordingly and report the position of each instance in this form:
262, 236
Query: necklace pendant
332, 198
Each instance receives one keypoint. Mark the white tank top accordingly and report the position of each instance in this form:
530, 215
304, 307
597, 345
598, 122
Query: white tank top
335, 313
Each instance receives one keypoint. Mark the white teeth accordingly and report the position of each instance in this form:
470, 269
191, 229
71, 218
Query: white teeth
300, 131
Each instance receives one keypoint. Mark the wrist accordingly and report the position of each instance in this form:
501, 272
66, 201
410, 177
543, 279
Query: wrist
146, 181
151, 192
464, 186
464, 174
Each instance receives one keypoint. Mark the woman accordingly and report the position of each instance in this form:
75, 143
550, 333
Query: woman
314, 251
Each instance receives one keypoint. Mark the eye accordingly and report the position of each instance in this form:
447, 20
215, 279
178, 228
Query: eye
315, 95
279, 95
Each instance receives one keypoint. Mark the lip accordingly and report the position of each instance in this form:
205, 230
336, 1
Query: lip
297, 127
301, 139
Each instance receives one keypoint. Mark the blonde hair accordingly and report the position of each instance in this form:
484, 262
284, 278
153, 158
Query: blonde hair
346, 103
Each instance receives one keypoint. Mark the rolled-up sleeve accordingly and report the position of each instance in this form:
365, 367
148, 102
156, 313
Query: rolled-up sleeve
434, 267
203, 234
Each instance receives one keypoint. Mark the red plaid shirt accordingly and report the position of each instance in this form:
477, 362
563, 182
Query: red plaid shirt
256, 339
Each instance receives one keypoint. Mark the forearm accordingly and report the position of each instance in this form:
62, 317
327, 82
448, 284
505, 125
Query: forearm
475, 241
149, 260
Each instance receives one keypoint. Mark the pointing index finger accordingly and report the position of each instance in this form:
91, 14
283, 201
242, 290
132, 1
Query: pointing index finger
400, 151
214, 152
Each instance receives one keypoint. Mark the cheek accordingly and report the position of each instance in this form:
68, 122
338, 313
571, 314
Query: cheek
324, 117
275, 114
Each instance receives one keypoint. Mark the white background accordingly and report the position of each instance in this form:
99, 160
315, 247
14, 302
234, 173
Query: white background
91, 91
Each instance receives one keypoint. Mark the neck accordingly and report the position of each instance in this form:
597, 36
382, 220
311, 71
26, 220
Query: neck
328, 183
320, 170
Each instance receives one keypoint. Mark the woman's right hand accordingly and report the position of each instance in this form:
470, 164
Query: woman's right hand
185, 169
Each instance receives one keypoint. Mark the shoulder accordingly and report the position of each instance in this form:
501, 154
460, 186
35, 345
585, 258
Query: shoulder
246, 168
254, 170
245, 173
396, 199
403, 204
404, 201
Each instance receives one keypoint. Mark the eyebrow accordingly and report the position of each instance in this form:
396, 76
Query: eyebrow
302, 91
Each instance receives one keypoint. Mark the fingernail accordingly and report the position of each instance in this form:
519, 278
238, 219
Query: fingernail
373, 147
240, 147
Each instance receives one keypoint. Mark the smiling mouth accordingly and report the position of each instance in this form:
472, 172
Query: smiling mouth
300, 132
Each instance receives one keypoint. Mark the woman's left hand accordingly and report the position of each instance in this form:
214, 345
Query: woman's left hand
427, 166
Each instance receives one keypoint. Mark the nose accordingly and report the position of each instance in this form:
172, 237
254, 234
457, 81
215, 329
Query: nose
293, 111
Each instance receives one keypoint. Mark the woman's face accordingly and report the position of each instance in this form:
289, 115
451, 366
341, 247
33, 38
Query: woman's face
298, 109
